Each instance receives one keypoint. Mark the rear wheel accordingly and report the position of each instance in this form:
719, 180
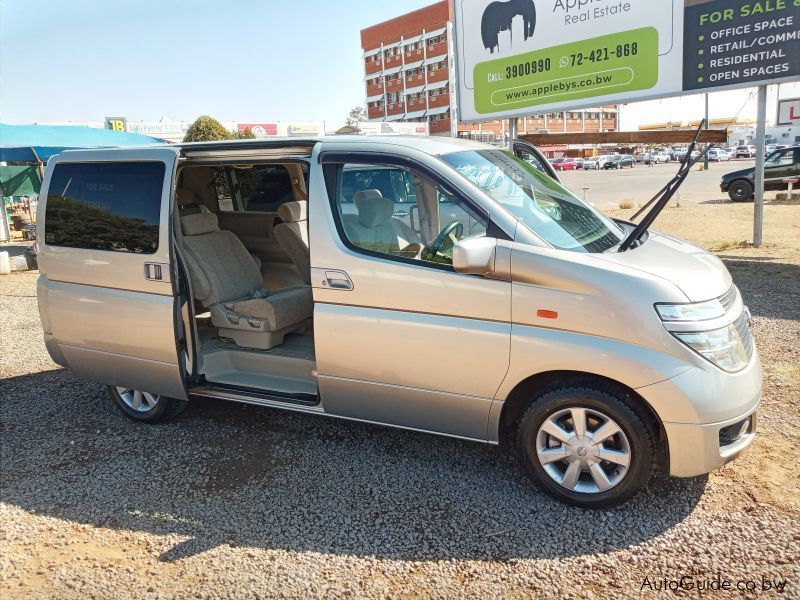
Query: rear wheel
740, 191
586, 446
144, 406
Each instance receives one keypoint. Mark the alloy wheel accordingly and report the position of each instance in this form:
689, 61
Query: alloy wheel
583, 450
138, 400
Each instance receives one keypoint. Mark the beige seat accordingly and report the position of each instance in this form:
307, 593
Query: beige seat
226, 280
292, 235
376, 228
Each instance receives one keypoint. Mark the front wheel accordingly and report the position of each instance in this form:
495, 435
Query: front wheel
586, 446
741, 191
144, 406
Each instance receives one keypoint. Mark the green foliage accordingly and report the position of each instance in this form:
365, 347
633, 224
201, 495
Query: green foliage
81, 225
356, 115
207, 129
247, 134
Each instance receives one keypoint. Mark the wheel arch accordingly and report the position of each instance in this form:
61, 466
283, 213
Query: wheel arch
520, 396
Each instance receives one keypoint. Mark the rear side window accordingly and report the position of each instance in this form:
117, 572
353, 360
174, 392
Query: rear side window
260, 188
105, 206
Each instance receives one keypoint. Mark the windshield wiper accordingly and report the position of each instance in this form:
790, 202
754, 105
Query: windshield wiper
665, 194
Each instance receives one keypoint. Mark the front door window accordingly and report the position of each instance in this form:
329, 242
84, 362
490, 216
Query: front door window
393, 212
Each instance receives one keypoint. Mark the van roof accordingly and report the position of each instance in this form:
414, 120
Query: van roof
304, 145
429, 144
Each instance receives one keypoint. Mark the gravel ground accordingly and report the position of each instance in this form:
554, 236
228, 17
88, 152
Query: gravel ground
238, 501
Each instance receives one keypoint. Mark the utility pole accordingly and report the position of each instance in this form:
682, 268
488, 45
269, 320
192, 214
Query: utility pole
758, 216
705, 158
512, 133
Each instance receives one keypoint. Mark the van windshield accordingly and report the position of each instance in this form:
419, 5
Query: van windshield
539, 202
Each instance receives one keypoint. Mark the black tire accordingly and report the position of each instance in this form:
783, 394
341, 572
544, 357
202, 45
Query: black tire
740, 190
628, 416
165, 408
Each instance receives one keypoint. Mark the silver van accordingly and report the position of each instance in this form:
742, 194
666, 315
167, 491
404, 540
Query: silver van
432, 284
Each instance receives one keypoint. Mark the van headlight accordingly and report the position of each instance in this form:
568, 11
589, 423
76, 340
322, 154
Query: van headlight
697, 311
723, 347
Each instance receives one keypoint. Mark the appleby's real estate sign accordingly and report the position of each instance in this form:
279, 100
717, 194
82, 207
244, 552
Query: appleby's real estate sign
521, 57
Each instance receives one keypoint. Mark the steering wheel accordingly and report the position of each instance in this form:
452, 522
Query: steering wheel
445, 241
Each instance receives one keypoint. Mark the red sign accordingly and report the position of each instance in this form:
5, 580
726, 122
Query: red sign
259, 129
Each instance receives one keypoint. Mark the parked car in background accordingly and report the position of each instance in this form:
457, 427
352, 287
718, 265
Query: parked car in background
602, 160
591, 163
569, 164
661, 157
781, 164
556, 163
745, 151
680, 152
619, 161
718, 154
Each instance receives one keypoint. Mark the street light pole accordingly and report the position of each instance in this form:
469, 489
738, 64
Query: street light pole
758, 216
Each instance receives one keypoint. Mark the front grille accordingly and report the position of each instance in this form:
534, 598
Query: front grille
733, 433
743, 329
728, 298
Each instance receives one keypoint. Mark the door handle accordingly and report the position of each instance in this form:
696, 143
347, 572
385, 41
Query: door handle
156, 271
330, 279
337, 280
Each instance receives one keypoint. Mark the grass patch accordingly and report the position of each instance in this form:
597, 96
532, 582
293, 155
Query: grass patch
626, 204
729, 245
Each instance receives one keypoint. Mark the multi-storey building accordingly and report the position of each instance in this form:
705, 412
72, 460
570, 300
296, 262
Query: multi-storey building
408, 76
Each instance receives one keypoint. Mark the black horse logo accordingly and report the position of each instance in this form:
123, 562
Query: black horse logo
498, 17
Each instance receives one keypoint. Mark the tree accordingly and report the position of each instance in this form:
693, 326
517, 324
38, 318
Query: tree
245, 134
357, 115
206, 129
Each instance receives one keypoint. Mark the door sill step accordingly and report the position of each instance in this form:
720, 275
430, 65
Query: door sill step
250, 396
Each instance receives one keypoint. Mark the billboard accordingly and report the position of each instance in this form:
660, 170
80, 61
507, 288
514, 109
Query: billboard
522, 57
116, 123
788, 112
393, 128
259, 129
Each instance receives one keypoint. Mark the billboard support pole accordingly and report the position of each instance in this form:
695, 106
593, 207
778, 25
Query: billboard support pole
707, 126
758, 216
512, 133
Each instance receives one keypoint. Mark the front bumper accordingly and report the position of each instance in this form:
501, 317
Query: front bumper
698, 449
696, 405
723, 187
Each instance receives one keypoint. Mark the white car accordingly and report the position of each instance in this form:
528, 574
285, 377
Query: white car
718, 155
661, 157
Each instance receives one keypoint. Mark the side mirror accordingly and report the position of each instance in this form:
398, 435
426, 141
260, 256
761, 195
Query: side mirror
475, 256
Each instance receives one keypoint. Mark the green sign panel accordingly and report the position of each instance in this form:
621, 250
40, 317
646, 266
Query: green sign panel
608, 64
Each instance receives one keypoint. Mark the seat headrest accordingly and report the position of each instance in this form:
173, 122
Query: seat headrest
373, 208
292, 212
199, 223
186, 197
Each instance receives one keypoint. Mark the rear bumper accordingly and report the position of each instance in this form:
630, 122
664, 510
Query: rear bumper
723, 187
